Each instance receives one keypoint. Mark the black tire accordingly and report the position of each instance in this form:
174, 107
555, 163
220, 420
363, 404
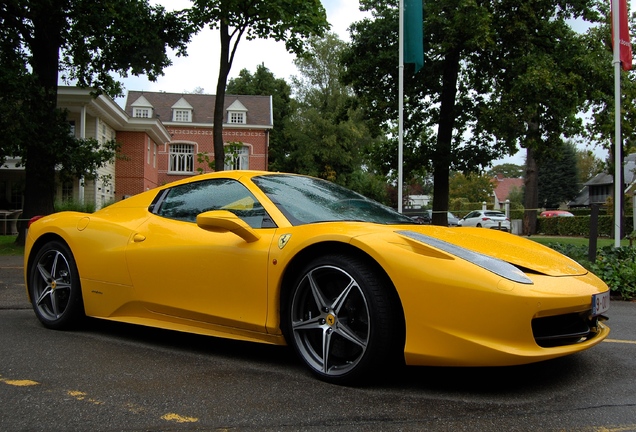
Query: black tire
54, 287
342, 318
478, 225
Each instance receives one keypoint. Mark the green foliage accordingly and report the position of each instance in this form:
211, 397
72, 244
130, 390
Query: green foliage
588, 165
205, 163
473, 187
326, 135
577, 252
508, 170
577, 226
86, 42
496, 76
617, 268
8, 246
558, 177
289, 21
370, 185
515, 196
83, 158
72, 205
263, 83
600, 130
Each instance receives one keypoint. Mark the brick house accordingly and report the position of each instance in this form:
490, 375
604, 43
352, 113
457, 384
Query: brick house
188, 119
160, 134
503, 186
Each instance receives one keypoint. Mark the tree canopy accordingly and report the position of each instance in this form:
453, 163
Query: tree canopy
475, 188
87, 41
496, 76
326, 133
290, 21
264, 83
558, 178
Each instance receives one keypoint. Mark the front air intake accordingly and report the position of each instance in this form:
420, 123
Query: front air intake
562, 330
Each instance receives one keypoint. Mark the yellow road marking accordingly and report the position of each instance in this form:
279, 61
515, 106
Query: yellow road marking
82, 396
179, 419
19, 383
620, 341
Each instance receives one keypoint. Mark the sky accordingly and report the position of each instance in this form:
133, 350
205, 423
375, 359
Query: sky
200, 68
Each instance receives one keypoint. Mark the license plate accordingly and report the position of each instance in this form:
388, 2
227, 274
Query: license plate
600, 303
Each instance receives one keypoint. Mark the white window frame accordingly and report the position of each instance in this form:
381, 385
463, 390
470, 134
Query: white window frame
182, 115
236, 117
181, 158
240, 161
142, 112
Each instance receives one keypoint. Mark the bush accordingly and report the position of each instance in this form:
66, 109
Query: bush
70, 205
578, 226
578, 253
617, 268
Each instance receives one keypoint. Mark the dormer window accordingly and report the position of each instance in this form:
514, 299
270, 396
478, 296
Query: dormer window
237, 113
141, 112
182, 111
141, 108
181, 116
237, 118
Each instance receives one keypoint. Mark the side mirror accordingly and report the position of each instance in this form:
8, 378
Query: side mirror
224, 221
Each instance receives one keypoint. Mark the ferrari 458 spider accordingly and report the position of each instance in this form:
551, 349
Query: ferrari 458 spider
286, 259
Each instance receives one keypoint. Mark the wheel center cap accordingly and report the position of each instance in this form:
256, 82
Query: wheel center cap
53, 284
331, 320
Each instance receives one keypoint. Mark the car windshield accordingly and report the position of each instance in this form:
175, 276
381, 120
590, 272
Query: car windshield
306, 200
495, 214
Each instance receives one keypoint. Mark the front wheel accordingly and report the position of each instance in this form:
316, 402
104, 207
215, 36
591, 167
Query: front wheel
342, 319
54, 286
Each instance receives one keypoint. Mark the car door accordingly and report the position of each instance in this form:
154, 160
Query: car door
469, 219
181, 270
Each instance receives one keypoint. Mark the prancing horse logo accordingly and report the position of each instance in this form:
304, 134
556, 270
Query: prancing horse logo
282, 241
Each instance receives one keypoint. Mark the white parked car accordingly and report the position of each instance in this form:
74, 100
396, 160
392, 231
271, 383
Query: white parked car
492, 219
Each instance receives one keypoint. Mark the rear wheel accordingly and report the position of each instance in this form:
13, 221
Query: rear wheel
54, 286
342, 319
478, 225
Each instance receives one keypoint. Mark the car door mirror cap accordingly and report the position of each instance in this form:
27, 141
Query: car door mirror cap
224, 221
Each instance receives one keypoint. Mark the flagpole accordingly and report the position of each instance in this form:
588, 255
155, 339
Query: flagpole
401, 106
618, 164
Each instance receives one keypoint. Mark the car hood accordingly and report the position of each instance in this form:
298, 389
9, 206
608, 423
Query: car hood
518, 251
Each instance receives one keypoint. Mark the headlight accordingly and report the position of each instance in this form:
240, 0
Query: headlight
494, 265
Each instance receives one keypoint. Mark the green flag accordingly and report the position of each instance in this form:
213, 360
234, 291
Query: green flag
413, 33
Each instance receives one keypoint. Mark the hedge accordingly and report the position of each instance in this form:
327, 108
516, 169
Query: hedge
579, 226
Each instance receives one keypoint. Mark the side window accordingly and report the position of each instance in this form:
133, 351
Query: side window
185, 202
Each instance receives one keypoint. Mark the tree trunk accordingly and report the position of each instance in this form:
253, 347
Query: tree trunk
531, 198
39, 188
443, 156
219, 103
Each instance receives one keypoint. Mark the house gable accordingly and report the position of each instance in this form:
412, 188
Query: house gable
503, 187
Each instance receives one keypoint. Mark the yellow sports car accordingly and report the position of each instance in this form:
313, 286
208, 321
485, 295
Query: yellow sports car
287, 259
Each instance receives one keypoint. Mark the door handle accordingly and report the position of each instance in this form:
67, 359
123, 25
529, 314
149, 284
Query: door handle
138, 238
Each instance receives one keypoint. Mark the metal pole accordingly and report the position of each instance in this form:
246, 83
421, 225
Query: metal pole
401, 106
618, 163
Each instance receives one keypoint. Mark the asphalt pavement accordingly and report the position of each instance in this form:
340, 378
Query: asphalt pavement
116, 377
12, 288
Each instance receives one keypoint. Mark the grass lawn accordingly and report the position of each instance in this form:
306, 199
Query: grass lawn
8, 246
